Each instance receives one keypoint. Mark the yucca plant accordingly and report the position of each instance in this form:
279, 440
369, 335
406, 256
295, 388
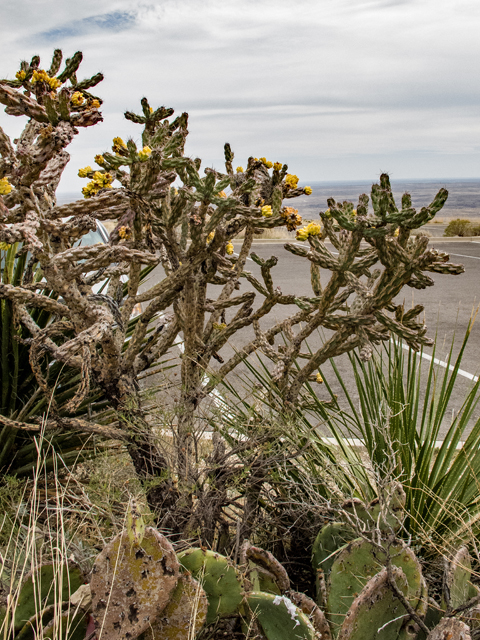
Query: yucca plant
397, 419
22, 399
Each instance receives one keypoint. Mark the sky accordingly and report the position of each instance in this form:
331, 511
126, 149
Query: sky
337, 89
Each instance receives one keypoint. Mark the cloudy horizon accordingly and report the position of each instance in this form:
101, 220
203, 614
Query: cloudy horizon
338, 89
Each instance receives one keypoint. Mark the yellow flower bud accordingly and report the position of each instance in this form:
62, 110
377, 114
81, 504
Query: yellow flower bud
219, 326
5, 187
319, 379
307, 191
210, 236
239, 169
144, 154
267, 211
229, 249
94, 104
83, 173
221, 194
291, 181
151, 109
77, 99
124, 233
99, 159
397, 231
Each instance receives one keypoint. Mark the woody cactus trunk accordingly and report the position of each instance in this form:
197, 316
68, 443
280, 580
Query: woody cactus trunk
187, 230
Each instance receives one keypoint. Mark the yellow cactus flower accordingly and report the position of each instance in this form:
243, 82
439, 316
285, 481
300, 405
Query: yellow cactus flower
210, 236
39, 75
229, 249
263, 160
119, 146
319, 378
301, 235
267, 211
268, 164
328, 213
99, 159
21, 75
144, 154
239, 169
77, 99
291, 181
124, 233
397, 231
307, 191
221, 194
94, 104
277, 166
151, 109
354, 212
4, 246
100, 181
314, 229
5, 187
83, 173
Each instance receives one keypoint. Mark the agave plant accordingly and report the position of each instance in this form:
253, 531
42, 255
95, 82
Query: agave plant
21, 397
395, 418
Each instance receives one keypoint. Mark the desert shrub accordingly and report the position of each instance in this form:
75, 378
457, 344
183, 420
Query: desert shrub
460, 228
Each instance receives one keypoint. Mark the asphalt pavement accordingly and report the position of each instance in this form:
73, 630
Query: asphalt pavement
449, 305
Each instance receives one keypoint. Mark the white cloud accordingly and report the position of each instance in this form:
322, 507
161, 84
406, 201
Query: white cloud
337, 88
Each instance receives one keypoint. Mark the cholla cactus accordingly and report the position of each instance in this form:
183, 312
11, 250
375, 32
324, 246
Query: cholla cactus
189, 231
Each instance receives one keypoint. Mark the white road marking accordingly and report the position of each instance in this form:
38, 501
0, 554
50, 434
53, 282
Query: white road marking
459, 255
461, 372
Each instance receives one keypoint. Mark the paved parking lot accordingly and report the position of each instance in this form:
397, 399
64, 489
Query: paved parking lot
448, 306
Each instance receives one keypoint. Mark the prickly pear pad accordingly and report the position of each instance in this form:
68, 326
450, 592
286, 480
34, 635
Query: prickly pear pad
132, 584
356, 564
376, 614
279, 618
43, 589
223, 584
187, 608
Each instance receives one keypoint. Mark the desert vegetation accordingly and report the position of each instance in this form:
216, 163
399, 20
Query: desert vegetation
129, 514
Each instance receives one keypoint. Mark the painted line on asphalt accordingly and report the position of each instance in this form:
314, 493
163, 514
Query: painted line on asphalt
459, 255
443, 364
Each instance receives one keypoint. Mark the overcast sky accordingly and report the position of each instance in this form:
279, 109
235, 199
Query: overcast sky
338, 89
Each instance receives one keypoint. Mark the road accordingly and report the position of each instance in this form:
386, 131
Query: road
448, 308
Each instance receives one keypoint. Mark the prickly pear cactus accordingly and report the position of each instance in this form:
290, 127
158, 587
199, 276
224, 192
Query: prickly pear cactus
356, 564
376, 614
373, 515
184, 615
132, 584
39, 586
331, 537
457, 579
222, 582
279, 618
70, 625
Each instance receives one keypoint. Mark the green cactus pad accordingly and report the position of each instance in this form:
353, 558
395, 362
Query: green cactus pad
132, 584
332, 537
458, 578
376, 614
356, 564
222, 582
279, 618
188, 603
43, 589
68, 626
